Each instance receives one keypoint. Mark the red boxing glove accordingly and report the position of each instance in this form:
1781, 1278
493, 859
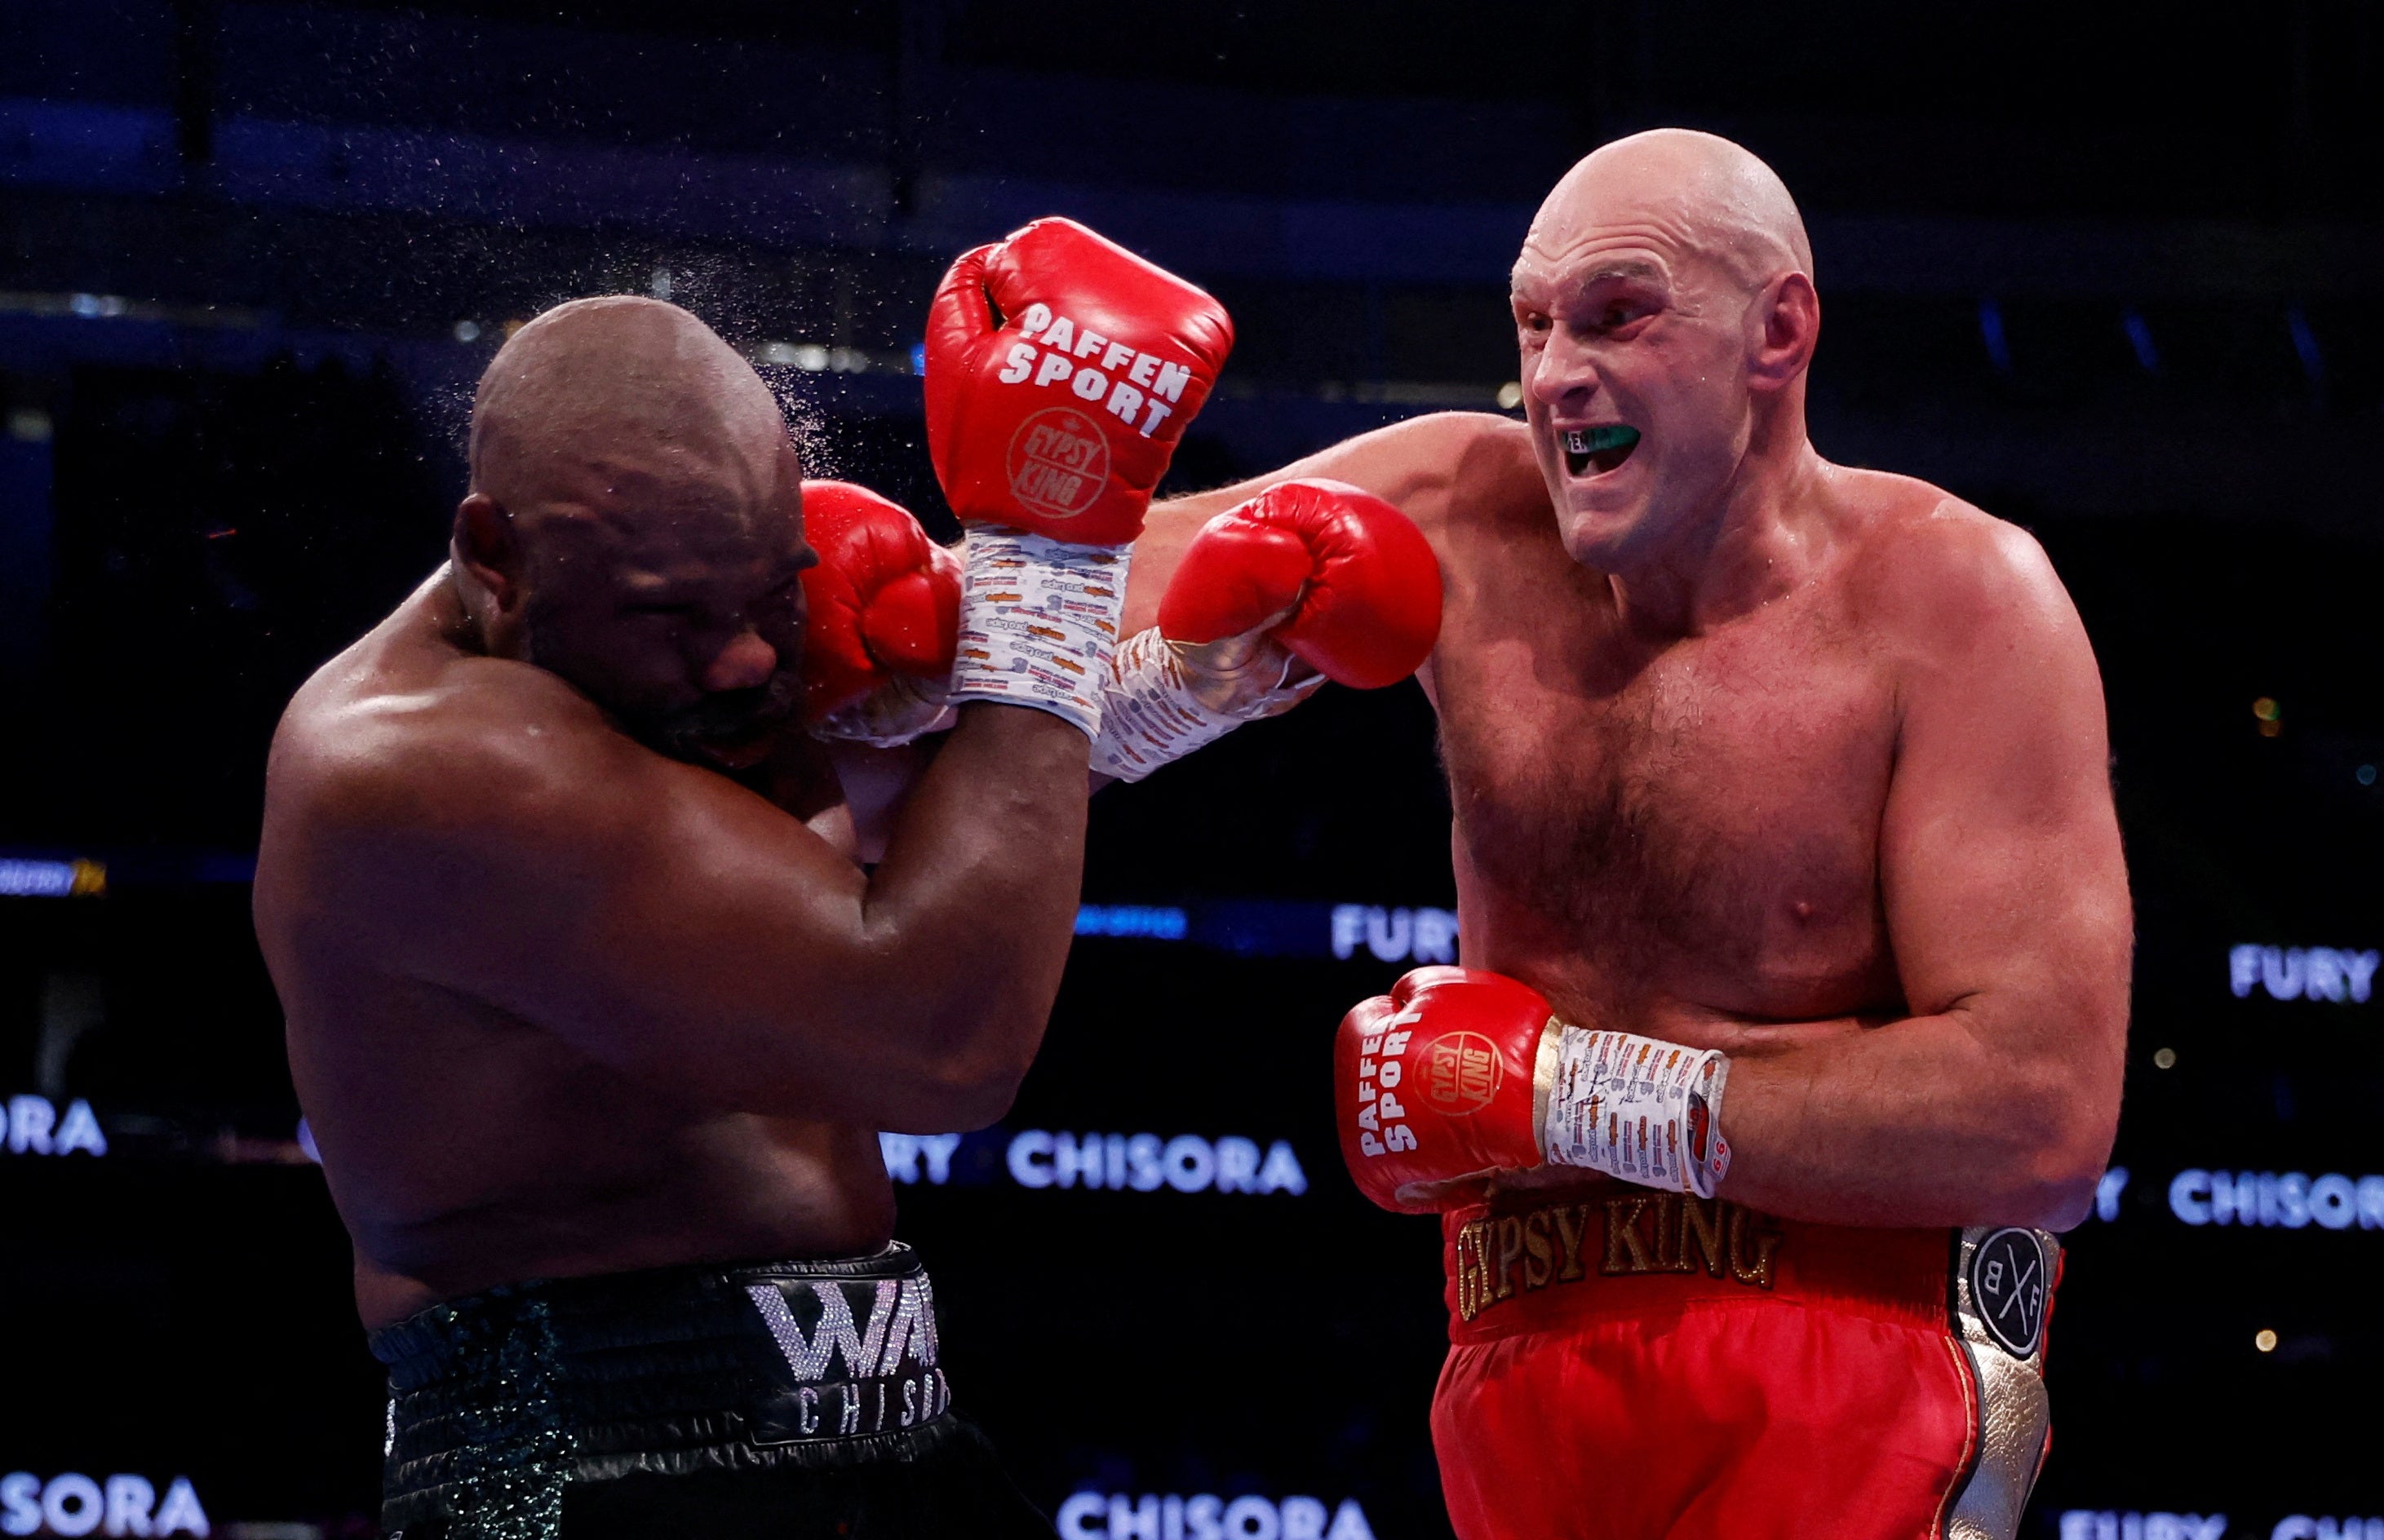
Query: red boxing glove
1458, 1073
1062, 371
883, 612
1365, 581
1330, 574
1435, 1081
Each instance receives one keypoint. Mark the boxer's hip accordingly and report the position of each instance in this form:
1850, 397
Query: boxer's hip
503, 1403
1708, 1369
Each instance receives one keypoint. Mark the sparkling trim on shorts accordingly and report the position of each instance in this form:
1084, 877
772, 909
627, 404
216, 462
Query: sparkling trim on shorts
514, 1453
500, 1400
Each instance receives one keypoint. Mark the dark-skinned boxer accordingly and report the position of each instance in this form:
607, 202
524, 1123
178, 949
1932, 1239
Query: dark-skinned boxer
592, 1005
593, 1008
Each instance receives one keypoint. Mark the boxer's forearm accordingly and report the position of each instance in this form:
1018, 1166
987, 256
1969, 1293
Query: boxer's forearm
686, 931
1416, 466
1167, 530
972, 911
1170, 527
1930, 1120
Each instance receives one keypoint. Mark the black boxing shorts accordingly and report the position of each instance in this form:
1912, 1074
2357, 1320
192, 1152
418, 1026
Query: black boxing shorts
786, 1399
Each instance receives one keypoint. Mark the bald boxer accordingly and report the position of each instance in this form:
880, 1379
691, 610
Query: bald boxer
1795, 929
594, 1008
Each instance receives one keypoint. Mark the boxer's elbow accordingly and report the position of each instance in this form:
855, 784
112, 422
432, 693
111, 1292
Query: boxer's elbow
851, 1072
922, 1093
967, 1079
2065, 1209
2070, 1130
2074, 1171
2039, 1192
957, 1096
2052, 1198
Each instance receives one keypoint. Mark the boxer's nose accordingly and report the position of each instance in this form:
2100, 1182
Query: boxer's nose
1561, 369
746, 663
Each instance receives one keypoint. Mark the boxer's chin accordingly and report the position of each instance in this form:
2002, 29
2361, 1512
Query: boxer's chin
1601, 524
732, 754
727, 745
1600, 498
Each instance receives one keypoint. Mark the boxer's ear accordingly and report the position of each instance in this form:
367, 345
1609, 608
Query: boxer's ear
486, 549
1787, 317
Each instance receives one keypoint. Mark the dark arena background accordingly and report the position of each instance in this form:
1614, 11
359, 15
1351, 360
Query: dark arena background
2116, 273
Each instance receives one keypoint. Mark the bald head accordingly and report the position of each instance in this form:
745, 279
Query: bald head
1697, 192
635, 523
615, 383
1665, 316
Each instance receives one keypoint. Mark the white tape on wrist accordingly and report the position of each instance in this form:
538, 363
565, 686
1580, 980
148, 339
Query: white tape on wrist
1637, 1108
1152, 713
1039, 621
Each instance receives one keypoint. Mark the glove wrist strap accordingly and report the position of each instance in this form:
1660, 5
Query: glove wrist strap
1152, 713
1038, 622
1637, 1108
901, 711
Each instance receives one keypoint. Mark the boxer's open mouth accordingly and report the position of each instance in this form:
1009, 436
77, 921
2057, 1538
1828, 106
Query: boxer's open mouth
1601, 448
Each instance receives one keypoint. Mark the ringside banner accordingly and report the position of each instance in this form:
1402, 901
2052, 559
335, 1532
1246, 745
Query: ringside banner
1205, 1516
1040, 1158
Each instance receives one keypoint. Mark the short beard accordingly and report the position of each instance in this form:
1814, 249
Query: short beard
729, 716
684, 733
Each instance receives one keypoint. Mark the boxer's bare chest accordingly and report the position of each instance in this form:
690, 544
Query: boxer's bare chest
1691, 827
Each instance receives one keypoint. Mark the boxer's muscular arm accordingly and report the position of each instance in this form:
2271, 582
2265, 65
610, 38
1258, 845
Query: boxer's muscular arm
671, 924
2006, 900
1419, 465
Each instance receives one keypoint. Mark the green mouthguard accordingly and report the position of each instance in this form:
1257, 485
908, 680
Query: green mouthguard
1597, 441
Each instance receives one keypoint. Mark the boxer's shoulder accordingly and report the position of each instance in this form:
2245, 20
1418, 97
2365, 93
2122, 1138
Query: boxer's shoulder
1482, 464
1935, 571
468, 755
1443, 470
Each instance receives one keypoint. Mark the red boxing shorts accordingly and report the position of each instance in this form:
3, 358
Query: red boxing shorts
1627, 1364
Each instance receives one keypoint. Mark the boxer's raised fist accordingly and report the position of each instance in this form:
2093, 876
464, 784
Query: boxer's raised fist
1434, 1081
1062, 371
884, 611
1360, 581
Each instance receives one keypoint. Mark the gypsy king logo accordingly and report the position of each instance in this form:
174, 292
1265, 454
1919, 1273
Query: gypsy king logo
1461, 1070
1059, 461
2007, 1288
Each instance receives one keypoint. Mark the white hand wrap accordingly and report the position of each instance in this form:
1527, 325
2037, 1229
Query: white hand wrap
1153, 712
1637, 1108
1038, 622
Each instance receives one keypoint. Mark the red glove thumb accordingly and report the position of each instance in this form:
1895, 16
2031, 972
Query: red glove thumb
883, 600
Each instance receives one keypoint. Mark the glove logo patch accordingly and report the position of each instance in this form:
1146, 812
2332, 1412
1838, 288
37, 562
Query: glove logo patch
1059, 463
1461, 1070
2009, 1285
